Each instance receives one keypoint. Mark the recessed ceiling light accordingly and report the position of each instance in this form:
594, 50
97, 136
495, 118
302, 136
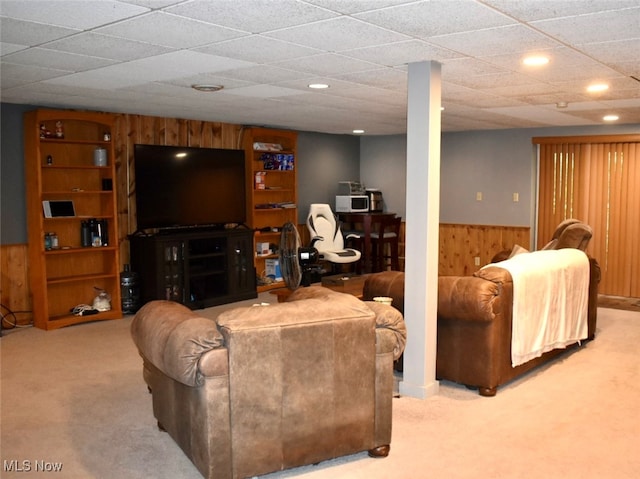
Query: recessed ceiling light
611, 118
597, 87
207, 88
562, 104
535, 60
358, 132
318, 86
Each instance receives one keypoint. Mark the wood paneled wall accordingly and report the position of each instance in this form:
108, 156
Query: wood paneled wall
149, 130
460, 245
15, 290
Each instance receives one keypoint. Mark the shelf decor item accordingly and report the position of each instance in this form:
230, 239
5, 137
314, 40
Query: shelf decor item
66, 196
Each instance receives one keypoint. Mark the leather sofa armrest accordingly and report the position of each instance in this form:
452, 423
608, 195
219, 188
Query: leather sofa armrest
174, 339
467, 298
391, 331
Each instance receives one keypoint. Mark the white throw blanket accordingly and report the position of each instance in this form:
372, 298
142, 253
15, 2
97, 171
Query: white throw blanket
550, 301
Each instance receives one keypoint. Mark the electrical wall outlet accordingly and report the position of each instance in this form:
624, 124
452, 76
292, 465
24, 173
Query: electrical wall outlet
476, 260
516, 197
479, 196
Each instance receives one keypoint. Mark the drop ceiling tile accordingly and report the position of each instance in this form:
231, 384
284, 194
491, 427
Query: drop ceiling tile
258, 49
160, 89
262, 74
594, 27
104, 46
163, 67
78, 15
338, 34
507, 80
45, 58
252, 16
28, 33
468, 67
596, 115
156, 4
524, 89
355, 6
45, 88
461, 96
528, 10
620, 83
401, 53
626, 103
12, 75
8, 48
169, 30
381, 78
368, 82
328, 64
495, 41
264, 91
436, 17
542, 115
380, 96
184, 62
614, 52
558, 73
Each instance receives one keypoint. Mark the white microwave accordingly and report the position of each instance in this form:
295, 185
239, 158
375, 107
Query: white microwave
352, 203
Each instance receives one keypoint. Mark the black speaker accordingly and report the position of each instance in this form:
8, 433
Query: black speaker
107, 184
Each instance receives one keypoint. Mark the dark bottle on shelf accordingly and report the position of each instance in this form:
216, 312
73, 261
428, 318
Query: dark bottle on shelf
85, 233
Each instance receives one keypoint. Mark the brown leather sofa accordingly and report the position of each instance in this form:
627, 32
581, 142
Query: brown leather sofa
266, 388
474, 324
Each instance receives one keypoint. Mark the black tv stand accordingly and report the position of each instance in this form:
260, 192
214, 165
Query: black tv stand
196, 267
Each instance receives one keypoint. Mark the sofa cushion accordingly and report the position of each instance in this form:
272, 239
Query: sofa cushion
467, 298
173, 338
391, 332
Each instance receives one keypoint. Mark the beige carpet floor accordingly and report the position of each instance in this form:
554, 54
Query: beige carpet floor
75, 397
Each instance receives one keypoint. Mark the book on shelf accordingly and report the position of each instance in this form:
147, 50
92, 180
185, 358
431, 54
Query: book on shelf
266, 206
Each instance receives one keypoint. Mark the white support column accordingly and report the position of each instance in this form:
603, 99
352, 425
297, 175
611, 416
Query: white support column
422, 229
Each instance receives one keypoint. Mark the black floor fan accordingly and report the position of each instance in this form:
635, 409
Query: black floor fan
298, 263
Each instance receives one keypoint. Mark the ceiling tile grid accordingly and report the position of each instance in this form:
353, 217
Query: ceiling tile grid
143, 56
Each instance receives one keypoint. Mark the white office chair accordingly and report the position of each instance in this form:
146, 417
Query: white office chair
326, 236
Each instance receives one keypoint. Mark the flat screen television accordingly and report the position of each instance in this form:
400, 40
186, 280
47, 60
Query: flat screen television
186, 187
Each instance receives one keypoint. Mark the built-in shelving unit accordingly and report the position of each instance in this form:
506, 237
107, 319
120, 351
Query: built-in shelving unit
61, 165
272, 186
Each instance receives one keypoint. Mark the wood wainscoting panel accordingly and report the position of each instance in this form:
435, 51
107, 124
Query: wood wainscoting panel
14, 286
462, 246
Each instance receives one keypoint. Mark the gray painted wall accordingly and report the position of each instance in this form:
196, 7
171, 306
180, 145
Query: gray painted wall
13, 209
496, 163
324, 161
383, 166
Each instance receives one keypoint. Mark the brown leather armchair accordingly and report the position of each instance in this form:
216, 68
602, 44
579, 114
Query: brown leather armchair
267, 388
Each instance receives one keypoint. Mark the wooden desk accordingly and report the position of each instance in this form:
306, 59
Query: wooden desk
367, 220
